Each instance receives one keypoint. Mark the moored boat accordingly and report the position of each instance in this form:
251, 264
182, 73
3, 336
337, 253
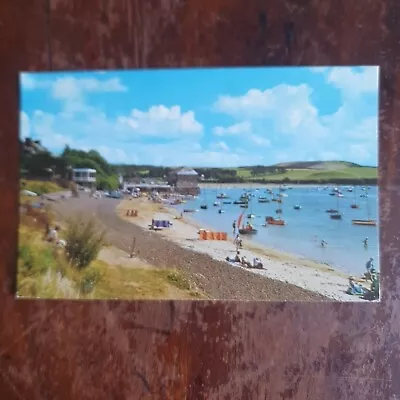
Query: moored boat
273, 221
364, 222
247, 231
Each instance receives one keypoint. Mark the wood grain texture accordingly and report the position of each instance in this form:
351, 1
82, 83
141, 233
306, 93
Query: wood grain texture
199, 350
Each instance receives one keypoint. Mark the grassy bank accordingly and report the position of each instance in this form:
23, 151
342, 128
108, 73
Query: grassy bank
40, 187
346, 173
43, 271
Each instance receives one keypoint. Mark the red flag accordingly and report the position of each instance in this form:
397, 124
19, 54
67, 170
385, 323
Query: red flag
239, 221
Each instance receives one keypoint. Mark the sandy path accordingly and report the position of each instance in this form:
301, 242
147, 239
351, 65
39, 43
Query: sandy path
218, 279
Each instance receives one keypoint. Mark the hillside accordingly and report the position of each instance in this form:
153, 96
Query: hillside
324, 165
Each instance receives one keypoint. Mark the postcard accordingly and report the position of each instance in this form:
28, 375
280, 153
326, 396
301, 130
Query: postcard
200, 184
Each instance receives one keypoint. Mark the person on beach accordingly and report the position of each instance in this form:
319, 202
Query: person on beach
369, 266
355, 288
234, 227
236, 259
237, 256
257, 263
238, 242
245, 263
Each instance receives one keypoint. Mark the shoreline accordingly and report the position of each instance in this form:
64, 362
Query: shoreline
253, 185
288, 268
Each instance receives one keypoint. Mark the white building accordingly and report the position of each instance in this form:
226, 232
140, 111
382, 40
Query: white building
84, 176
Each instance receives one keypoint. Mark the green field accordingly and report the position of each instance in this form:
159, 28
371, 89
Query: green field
305, 174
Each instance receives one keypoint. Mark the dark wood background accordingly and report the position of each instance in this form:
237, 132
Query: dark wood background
199, 350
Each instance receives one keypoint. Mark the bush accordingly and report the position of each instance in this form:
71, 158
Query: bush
89, 280
83, 242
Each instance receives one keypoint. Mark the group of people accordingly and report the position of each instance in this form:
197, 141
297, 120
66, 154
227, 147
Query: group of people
257, 263
370, 275
242, 260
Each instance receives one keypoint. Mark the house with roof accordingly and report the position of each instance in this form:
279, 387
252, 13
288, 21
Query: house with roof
184, 181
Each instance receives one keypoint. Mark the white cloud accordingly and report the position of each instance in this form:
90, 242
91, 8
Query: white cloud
27, 81
24, 125
161, 121
72, 88
219, 146
260, 141
354, 82
115, 155
236, 129
318, 70
288, 108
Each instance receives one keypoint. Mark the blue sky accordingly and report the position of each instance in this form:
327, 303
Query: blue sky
207, 117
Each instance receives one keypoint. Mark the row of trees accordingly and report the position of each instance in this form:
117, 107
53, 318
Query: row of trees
39, 163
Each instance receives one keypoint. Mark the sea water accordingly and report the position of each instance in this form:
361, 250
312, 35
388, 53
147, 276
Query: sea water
305, 228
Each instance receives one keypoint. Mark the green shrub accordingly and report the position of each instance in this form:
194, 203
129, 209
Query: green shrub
83, 242
90, 278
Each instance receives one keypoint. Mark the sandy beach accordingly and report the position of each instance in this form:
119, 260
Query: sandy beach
318, 278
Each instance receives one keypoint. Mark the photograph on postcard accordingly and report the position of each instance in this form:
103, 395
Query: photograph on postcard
200, 184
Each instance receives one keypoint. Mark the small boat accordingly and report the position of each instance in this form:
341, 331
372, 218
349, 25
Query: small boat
221, 211
226, 202
354, 206
240, 202
189, 210
336, 216
244, 205
297, 207
263, 200
251, 216
332, 211
278, 210
216, 203
273, 221
364, 222
247, 231
204, 207
222, 196
368, 221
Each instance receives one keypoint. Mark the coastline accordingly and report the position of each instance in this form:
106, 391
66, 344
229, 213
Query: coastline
307, 274
253, 185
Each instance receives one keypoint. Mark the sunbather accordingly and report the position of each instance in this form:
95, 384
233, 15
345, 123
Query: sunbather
355, 288
245, 263
257, 263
